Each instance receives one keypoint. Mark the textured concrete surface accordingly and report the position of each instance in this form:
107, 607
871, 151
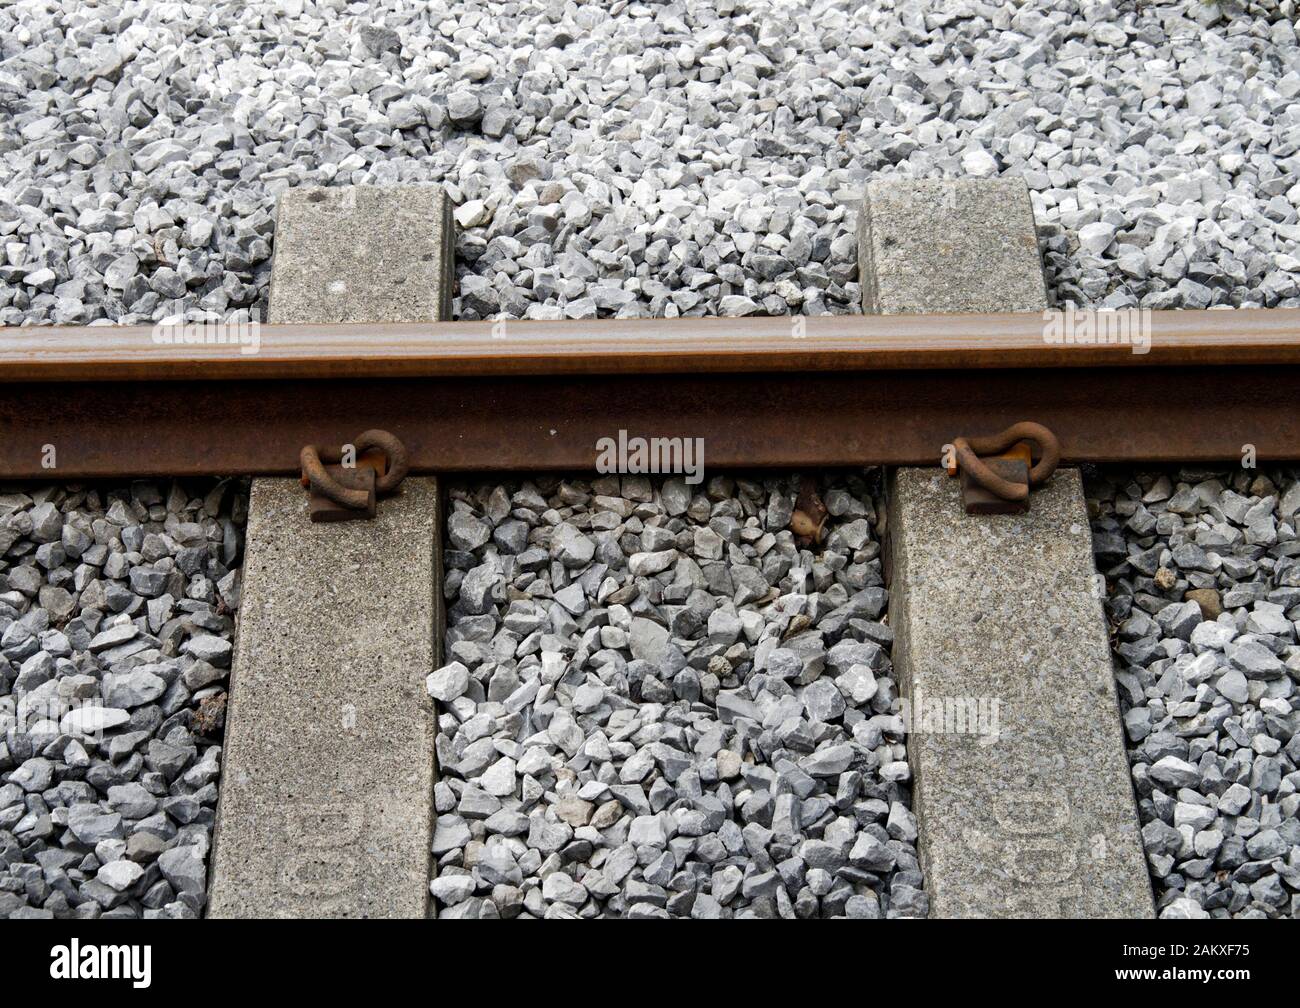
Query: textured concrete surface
326, 805
949, 245
363, 254
1022, 791
1032, 815
326, 799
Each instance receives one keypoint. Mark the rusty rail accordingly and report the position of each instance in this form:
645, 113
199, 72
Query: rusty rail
520, 395
642, 346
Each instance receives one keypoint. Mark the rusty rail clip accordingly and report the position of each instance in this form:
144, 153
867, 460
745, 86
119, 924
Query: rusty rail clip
347, 493
1000, 482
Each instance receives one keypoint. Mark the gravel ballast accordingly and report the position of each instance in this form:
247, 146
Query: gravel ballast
116, 618
620, 160
656, 704
633, 159
1203, 582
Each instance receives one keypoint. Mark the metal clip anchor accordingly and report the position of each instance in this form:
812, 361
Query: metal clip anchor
340, 493
999, 482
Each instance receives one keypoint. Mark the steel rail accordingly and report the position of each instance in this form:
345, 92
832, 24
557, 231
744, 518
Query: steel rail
848, 390
643, 346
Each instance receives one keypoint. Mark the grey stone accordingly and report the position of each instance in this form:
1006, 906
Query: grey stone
90, 824
1255, 660
466, 532
120, 875
208, 648
1174, 773
452, 889
448, 682
183, 867
1232, 685
113, 637
647, 640
449, 833
92, 720
133, 689
571, 547
35, 775
131, 800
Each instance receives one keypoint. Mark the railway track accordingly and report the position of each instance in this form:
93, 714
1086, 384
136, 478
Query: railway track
657, 695
671, 476
517, 395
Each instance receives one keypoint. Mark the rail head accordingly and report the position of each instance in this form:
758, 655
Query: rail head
249, 351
